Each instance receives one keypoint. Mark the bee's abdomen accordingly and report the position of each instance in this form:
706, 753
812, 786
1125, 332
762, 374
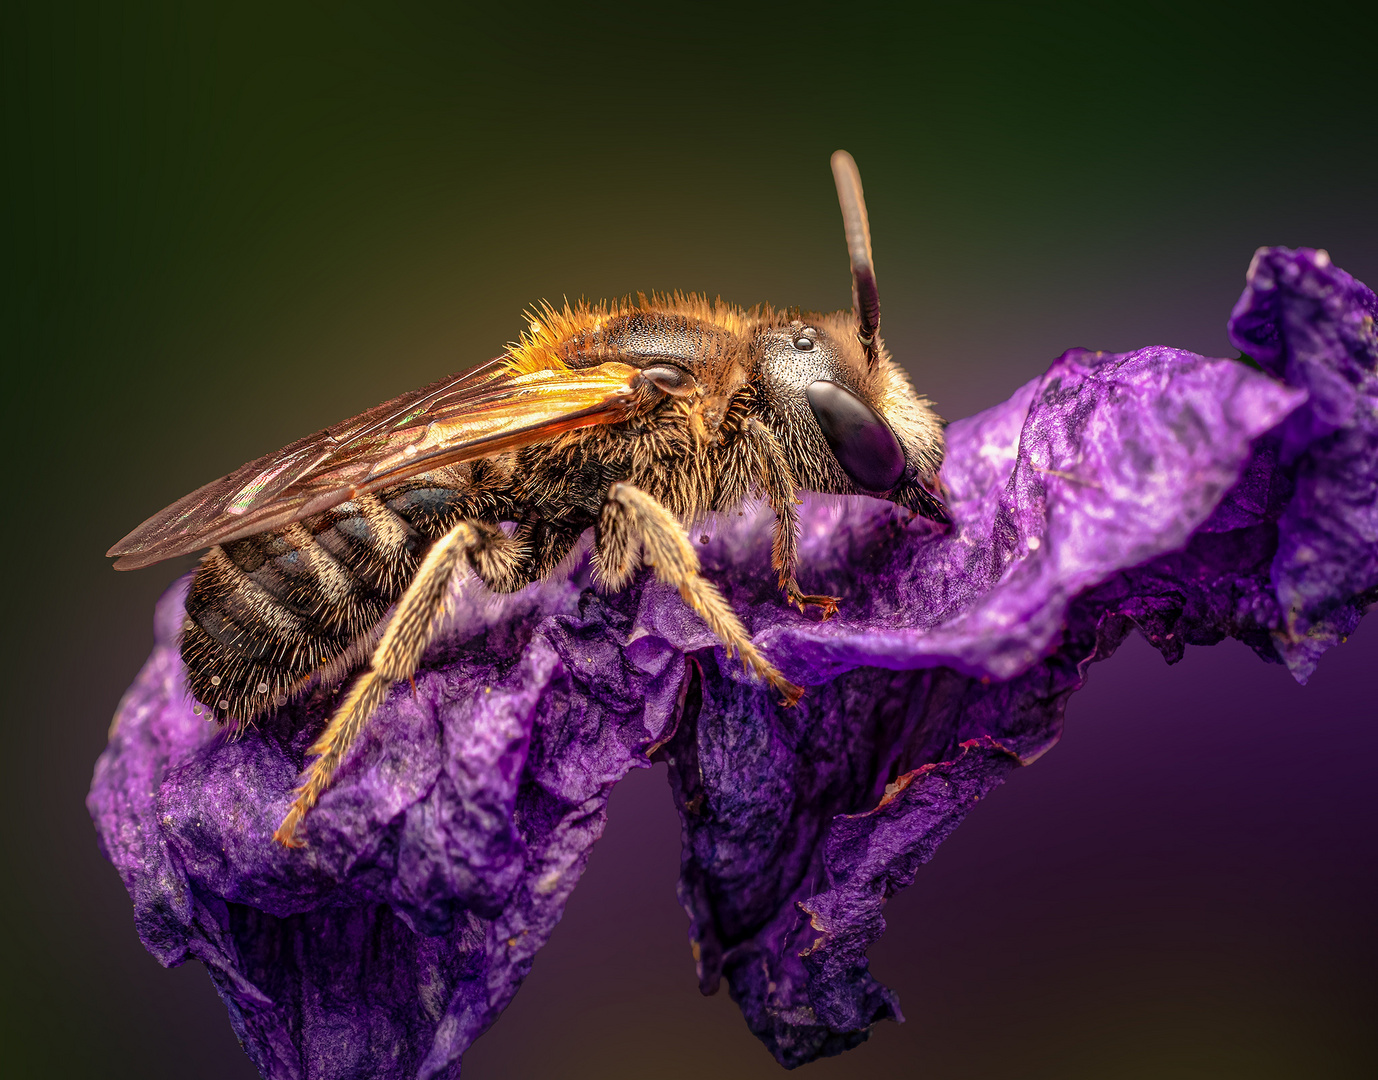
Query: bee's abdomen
267, 612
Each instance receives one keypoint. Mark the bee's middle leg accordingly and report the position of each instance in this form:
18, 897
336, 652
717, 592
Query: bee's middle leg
497, 560
633, 528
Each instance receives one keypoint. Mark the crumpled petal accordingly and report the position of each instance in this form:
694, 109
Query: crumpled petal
1309, 322
1190, 498
438, 864
1100, 465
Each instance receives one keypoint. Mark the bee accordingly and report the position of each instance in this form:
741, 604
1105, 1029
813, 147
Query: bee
633, 419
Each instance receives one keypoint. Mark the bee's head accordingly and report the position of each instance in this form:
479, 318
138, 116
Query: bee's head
845, 413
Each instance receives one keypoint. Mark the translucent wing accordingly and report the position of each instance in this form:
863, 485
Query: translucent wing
485, 411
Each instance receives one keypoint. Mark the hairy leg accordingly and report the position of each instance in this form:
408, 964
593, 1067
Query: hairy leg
635, 528
777, 483
414, 621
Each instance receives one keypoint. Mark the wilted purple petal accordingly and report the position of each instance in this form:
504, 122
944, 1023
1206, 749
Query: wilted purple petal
1308, 321
439, 862
1107, 461
1155, 489
1100, 465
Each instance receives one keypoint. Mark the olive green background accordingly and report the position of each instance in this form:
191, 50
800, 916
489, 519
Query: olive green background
224, 229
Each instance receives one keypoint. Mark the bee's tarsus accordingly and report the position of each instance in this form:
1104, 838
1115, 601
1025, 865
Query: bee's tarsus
288, 834
827, 605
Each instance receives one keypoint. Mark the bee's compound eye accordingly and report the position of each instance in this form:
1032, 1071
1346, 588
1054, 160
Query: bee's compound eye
859, 437
803, 341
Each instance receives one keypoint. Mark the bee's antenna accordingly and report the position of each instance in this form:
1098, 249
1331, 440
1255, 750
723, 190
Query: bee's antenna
865, 296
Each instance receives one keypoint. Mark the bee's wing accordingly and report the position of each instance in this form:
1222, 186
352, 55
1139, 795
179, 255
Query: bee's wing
486, 411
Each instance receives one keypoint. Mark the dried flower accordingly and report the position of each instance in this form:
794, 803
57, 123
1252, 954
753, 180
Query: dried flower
1190, 498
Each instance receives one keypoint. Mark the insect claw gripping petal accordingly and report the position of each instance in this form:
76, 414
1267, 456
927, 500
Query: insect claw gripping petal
792, 693
827, 605
287, 833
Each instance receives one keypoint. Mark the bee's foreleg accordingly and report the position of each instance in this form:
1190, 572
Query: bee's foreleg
409, 631
634, 528
777, 483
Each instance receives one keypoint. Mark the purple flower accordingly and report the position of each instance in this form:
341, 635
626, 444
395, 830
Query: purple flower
1190, 498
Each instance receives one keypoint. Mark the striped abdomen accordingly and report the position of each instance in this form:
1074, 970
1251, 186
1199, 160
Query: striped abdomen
268, 612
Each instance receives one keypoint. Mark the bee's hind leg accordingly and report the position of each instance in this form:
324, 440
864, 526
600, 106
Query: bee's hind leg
633, 524
417, 616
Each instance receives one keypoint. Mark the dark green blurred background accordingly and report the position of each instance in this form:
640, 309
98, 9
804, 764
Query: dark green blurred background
223, 231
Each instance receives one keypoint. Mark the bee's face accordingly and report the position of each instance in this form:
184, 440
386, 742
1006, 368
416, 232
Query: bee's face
847, 426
